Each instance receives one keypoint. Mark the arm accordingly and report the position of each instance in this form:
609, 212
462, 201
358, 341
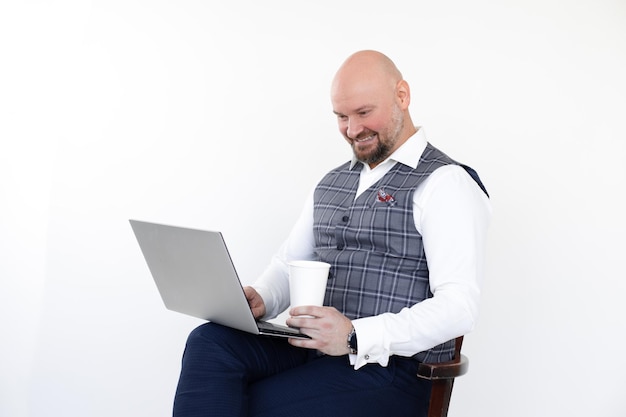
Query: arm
452, 214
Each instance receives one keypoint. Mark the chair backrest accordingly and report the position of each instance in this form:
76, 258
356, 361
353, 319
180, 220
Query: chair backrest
442, 376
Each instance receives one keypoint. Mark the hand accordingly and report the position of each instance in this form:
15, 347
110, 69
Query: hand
257, 305
328, 329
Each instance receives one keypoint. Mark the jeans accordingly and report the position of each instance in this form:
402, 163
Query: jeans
226, 372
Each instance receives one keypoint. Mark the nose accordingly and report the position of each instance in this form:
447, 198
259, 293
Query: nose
354, 128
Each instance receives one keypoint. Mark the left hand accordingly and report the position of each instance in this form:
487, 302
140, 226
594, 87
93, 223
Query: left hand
328, 329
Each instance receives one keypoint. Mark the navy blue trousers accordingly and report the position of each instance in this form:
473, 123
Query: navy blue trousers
226, 372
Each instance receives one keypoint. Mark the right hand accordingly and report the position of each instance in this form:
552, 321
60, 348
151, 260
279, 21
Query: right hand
257, 305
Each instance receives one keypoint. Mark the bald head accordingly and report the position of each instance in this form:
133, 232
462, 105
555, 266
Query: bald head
371, 102
366, 67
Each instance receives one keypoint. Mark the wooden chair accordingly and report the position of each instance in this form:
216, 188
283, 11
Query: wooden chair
443, 374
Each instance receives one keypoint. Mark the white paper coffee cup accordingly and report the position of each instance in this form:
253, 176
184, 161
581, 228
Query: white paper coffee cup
307, 282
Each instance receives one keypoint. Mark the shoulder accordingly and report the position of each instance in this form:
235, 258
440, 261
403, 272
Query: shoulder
453, 184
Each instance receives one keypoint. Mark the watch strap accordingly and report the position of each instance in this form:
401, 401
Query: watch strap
352, 343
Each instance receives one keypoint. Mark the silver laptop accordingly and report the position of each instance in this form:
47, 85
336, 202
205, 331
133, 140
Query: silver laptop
195, 275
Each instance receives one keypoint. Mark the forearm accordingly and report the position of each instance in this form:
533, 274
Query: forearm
449, 314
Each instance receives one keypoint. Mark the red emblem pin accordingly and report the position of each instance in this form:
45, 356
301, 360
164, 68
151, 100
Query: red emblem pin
383, 197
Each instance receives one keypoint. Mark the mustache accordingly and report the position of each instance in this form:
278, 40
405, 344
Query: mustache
362, 135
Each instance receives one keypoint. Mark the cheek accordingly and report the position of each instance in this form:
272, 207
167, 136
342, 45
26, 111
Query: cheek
380, 124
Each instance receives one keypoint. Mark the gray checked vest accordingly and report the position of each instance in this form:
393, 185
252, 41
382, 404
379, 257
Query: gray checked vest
377, 258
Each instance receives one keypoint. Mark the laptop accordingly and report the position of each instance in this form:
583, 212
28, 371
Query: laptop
195, 275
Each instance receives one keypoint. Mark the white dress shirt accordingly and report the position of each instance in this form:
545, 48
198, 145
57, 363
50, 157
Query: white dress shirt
452, 214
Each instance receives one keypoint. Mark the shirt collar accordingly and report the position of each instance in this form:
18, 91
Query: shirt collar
408, 154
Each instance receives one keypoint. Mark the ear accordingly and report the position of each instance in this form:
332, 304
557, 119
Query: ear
403, 94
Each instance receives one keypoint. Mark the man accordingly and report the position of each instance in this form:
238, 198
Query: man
404, 228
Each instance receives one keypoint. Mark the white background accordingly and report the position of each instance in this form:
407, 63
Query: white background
217, 115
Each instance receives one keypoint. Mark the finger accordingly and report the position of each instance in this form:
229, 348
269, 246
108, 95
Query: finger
314, 311
302, 343
308, 321
248, 292
297, 322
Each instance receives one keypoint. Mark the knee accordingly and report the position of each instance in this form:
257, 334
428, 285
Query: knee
212, 347
203, 342
206, 331
210, 333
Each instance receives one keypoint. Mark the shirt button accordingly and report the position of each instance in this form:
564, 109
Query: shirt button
367, 357
345, 218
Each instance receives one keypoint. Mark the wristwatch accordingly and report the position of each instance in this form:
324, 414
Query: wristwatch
352, 341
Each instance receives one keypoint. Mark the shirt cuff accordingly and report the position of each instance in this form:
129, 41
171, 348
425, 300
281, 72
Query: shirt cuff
371, 349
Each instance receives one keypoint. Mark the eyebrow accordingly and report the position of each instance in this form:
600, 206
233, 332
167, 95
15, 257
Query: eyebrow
359, 110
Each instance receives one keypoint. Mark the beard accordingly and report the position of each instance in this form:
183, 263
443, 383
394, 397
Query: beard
387, 140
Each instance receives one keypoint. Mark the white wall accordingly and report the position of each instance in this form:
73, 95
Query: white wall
216, 115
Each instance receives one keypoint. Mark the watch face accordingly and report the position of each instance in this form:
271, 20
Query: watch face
352, 340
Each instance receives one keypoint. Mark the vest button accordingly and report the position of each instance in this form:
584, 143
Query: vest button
340, 247
345, 218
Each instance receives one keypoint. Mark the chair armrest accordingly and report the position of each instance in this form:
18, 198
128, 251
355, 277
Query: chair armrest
444, 370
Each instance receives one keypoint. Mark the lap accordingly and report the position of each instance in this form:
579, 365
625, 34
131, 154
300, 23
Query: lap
264, 376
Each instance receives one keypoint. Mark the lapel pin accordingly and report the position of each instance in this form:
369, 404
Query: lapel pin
383, 197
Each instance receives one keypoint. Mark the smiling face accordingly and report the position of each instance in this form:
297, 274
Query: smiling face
370, 100
372, 132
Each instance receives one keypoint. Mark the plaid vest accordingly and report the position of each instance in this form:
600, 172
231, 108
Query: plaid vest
377, 258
